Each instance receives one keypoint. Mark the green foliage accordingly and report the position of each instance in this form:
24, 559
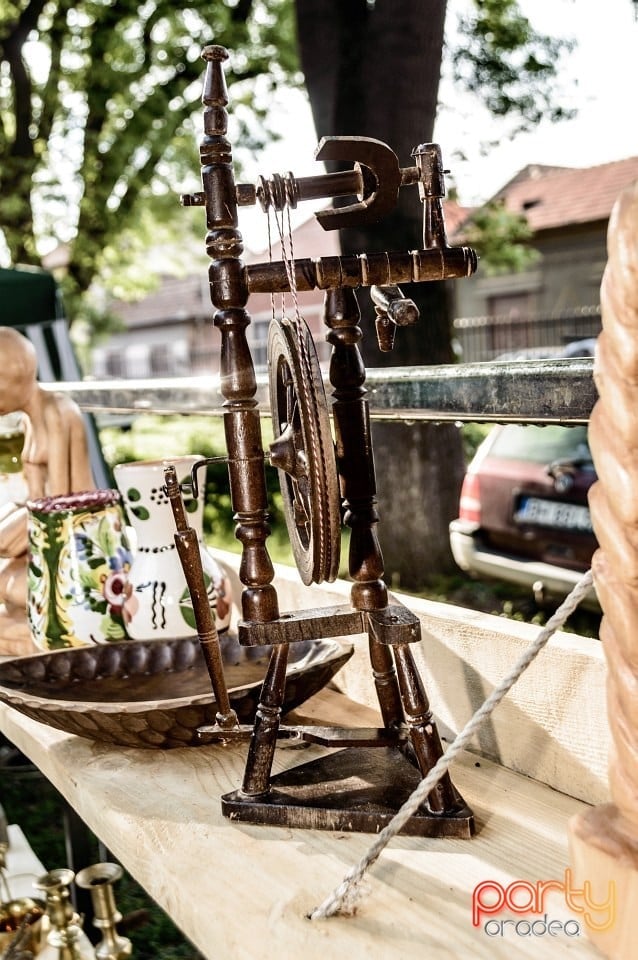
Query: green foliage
100, 116
96, 115
473, 435
501, 239
510, 66
29, 799
151, 436
504, 600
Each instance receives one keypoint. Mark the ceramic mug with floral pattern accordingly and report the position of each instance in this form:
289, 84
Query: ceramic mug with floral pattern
79, 558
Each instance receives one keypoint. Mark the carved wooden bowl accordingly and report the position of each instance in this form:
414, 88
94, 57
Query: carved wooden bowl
155, 693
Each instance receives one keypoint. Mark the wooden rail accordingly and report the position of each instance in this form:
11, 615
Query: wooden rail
537, 391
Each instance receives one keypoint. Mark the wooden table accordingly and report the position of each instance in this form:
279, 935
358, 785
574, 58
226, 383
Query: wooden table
241, 891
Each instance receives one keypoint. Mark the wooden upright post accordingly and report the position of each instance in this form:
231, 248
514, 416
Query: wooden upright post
604, 840
229, 294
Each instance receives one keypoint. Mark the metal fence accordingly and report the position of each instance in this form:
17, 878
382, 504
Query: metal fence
505, 337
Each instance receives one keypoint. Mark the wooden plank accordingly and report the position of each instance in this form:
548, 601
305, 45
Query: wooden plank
537, 391
234, 888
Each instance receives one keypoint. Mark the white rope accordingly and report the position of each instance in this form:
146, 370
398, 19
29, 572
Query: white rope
288, 256
343, 899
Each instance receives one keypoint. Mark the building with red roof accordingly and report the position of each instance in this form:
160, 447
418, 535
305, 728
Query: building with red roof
556, 299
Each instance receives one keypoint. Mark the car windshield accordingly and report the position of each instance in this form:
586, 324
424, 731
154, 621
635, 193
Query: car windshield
542, 444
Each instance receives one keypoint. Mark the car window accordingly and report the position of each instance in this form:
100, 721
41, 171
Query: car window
542, 444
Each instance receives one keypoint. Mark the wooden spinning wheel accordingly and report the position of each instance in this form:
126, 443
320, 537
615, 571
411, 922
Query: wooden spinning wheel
303, 451
320, 477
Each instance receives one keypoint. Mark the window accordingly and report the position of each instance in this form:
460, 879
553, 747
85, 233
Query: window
161, 360
114, 364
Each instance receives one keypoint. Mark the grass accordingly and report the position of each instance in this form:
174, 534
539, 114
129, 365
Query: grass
506, 600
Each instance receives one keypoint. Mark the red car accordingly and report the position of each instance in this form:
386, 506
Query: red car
523, 513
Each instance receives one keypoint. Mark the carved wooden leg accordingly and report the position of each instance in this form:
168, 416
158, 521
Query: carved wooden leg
264, 738
423, 733
385, 682
397, 628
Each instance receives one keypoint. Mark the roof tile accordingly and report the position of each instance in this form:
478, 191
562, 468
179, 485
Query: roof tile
558, 196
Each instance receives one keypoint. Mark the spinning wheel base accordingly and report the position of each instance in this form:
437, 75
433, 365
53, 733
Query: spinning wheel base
355, 790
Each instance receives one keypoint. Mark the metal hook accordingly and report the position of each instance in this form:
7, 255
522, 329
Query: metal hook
194, 485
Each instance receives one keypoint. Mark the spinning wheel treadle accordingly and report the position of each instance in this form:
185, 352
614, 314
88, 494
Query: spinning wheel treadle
303, 451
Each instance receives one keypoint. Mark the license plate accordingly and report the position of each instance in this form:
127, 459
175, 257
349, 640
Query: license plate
550, 513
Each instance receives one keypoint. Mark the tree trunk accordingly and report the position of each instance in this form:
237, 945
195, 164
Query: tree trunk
20, 160
373, 70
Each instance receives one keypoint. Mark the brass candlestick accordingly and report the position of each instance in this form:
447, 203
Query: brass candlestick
98, 879
66, 939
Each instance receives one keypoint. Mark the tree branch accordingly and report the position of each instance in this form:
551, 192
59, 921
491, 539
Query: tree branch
242, 10
51, 91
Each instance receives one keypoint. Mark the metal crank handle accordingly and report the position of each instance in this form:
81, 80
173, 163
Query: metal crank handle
392, 310
194, 484
201, 464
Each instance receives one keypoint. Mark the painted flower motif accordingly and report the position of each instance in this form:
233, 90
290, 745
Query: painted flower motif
119, 595
104, 580
114, 590
78, 577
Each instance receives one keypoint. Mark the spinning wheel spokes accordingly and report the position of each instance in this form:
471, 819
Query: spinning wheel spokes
303, 451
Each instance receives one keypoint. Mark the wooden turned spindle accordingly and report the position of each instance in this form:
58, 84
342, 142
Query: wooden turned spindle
229, 295
354, 449
423, 732
604, 841
358, 485
261, 752
399, 689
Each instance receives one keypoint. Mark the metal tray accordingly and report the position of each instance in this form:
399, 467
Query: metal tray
155, 693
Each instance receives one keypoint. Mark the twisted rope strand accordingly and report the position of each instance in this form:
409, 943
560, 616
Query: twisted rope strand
288, 257
343, 899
